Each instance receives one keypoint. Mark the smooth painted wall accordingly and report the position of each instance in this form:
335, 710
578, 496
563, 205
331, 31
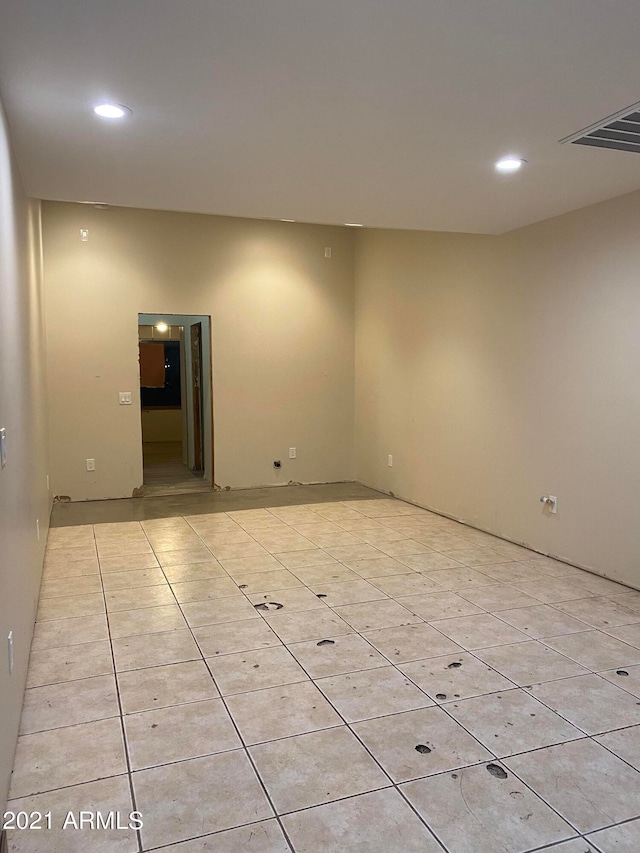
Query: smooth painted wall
282, 340
23, 490
499, 369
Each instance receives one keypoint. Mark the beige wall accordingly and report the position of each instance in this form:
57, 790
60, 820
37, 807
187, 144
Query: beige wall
23, 493
498, 369
282, 327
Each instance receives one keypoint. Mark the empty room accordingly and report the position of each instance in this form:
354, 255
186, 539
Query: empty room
319, 426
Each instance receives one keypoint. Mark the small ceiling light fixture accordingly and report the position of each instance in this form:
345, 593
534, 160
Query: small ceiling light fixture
161, 326
354, 224
287, 220
111, 110
507, 165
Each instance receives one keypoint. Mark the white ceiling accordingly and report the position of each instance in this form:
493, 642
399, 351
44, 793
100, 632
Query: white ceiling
385, 112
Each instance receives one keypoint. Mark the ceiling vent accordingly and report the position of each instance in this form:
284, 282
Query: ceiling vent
620, 131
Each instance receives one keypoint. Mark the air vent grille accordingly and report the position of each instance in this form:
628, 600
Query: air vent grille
620, 132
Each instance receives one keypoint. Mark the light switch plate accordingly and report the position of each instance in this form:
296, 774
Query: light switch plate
3, 447
125, 398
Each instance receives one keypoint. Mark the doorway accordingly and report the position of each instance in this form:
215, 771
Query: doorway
175, 403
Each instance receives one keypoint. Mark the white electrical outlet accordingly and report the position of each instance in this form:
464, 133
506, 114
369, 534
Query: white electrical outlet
553, 504
10, 651
124, 398
38, 529
390, 461
327, 251
91, 464
84, 235
292, 453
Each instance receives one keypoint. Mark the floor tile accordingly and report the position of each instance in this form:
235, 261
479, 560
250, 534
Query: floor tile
590, 702
411, 642
497, 597
154, 650
69, 632
542, 621
214, 612
409, 584
347, 592
251, 565
128, 563
309, 625
267, 581
263, 837
379, 822
584, 783
576, 845
161, 686
204, 590
292, 600
376, 614
624, 838
530, 663
474, 556
627, 633
394, 741
551, 590
253, 670
478, 632
194, 572
303, 559
456, 676
401, 547
67, 606
232, 637
213, 804
172, 734
68, 663
599, 612
625, 743
114, 581
311, 769
373, 693
462, 578
325, 573
628, 678
105, 796
149, 620
379, 567
134, 599
279, 712
511, 722
440, 605
68, 756
595, 650
70, 537
76, 569
184, 556
83, 585
69, 703
346, 653
429, 561
473, 811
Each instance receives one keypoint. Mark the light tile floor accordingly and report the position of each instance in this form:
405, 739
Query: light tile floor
345, 676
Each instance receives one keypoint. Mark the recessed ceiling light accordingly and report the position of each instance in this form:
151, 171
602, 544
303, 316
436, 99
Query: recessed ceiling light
509, 164
162, 326
111, 110
354, 224
287, 220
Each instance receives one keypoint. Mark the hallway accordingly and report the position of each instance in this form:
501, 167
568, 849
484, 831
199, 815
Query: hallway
339, 675
166, 474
